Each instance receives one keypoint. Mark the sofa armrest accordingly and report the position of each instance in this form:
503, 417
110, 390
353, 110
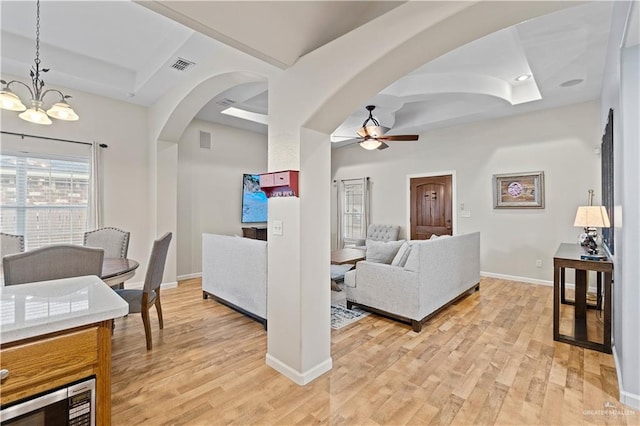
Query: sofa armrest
389, 288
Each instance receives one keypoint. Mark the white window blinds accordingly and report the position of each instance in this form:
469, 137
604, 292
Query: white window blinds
44, 196
353, 201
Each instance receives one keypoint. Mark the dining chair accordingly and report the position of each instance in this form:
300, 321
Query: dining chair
52, 263
114, 242
11, 243
141, 300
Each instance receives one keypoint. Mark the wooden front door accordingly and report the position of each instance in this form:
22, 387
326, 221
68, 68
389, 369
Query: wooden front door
431, 207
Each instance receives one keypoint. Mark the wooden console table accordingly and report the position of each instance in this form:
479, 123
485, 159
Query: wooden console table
568, 256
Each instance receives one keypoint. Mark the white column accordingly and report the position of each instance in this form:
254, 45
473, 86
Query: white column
298, 314
167, 201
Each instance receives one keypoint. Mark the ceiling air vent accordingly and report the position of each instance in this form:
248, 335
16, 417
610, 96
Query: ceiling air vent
182, 64
226, 102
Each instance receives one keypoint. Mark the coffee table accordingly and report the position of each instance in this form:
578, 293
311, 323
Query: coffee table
347, 255
343, 257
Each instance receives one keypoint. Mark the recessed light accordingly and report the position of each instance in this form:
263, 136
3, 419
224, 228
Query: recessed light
523, 77
573, 82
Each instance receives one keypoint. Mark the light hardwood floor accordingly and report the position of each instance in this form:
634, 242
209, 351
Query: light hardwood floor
489, 359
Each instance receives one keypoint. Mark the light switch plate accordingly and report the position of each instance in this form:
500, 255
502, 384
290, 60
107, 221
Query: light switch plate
465, 213
277, 227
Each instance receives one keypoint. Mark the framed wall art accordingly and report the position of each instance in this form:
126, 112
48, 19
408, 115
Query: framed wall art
518, 190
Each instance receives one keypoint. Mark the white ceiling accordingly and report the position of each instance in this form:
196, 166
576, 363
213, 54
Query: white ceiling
123, 50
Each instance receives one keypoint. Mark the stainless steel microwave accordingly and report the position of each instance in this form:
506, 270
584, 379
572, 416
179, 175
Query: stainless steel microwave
72, 405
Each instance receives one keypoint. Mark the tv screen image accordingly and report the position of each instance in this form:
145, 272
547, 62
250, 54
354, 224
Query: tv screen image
254, 200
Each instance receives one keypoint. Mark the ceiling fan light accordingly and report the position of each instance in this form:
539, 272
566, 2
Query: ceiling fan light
62, 111
370, 144
372, 131
11, 102
35, 114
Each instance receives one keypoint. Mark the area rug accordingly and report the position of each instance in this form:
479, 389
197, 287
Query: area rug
341, 316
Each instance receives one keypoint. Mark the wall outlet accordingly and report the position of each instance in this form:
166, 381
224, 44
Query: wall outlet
539, 263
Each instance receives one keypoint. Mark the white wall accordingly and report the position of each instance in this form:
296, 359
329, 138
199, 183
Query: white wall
560, 142
620, 91
626, 330
210, 186
123, 127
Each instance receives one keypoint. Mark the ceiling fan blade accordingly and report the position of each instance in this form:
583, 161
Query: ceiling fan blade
399, 138
372, 131
382, 145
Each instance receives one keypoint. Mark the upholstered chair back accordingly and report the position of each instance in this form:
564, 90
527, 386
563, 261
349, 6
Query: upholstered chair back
114, 241
11, 244
383, 232
155, 269
52, 263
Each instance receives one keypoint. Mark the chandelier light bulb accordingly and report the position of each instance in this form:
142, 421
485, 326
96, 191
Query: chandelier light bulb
9, 101
62, 111
35, 114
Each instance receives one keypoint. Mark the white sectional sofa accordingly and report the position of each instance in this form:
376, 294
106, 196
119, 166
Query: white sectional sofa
436, 272
234, 272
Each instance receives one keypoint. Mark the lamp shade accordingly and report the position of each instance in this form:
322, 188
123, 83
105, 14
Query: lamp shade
35, 115
62, 111
9, 101
370, 144
372, 131
592, 217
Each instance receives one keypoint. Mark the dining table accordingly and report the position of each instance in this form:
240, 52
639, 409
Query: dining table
116, 270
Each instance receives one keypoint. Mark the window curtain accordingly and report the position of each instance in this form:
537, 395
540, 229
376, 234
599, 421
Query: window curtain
96, 208
353, 205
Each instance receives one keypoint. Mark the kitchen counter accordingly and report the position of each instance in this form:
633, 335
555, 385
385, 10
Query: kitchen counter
35, 309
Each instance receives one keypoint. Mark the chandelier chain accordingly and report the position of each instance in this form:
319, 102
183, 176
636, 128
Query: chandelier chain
37, 31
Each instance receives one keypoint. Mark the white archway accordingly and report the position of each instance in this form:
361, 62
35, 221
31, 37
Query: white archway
168, 120
306, 103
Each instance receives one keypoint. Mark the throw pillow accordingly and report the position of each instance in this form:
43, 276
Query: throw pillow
402, 255
382, 251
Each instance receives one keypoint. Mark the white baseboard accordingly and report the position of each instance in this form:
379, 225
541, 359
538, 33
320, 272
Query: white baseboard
189, 276
627, 398
526, 280
138, 285
518, 279
296, 376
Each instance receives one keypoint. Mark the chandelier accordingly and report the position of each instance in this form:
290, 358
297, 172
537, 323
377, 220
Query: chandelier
35, 114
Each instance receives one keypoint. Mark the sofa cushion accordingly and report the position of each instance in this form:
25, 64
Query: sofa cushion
403, 254
382, 251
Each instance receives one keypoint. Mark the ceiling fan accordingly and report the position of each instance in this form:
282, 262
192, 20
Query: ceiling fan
372, 133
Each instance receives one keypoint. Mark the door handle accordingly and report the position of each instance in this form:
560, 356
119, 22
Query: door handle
4, 373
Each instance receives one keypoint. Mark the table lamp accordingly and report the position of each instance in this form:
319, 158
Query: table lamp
590, 218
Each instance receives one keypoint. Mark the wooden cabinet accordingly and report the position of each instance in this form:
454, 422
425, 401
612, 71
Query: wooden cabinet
280, 184
46, 362
255, 232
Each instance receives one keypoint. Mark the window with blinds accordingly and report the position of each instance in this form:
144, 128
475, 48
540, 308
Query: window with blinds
44, 198
354, 211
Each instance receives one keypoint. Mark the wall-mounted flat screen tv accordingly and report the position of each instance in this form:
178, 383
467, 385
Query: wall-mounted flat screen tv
254, 200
